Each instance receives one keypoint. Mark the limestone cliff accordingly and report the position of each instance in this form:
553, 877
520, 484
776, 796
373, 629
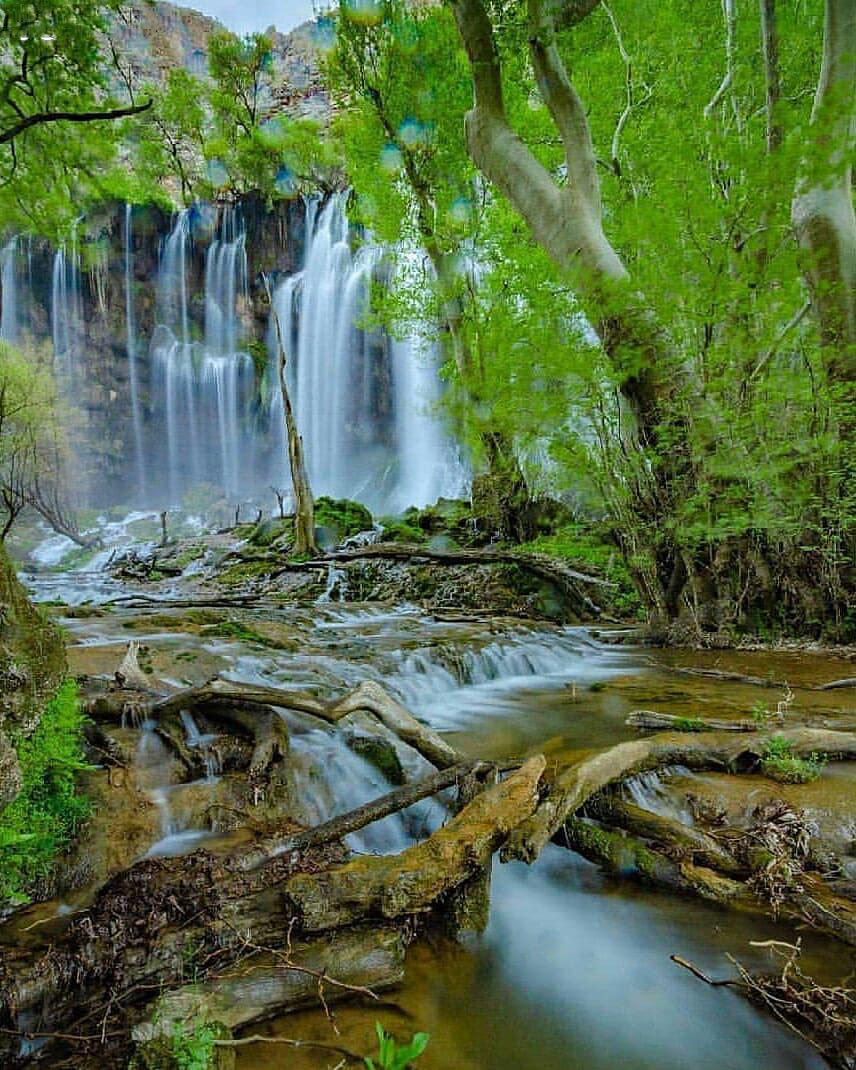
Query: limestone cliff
148, 39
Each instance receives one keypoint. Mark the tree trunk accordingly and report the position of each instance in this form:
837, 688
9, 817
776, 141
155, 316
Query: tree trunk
567, 222
822, 209
304, 503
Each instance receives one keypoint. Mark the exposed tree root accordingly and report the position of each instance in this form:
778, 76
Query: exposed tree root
573, 584
223, 698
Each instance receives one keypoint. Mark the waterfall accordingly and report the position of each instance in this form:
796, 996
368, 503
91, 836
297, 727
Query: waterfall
361, 400
131, 345
67, 317
9, 322
204, 389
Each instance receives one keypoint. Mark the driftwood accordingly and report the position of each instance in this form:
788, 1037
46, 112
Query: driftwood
152, 922
719, 674
685, 841
661, 851
362, 960
822, 1015
651, 721
393, 802
576, 784
833, 685
129, 674
374, 699
222, 695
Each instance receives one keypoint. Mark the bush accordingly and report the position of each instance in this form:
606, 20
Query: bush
780, 763
49, 809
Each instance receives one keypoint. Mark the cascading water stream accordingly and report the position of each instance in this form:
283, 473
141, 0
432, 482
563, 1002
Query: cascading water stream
67, 319
362, 401
204, 388
131, 345
9, 319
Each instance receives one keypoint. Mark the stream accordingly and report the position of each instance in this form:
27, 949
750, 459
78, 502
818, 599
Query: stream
573, 970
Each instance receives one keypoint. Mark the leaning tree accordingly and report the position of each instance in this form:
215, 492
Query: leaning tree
771, 216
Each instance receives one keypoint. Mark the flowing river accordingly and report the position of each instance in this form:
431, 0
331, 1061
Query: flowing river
574, 968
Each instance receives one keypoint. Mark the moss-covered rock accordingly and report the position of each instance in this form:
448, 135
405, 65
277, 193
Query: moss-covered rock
449, 517
341, 517
381, 754
271, 531
396, 529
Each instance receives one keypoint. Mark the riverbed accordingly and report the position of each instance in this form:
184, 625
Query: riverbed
574, 969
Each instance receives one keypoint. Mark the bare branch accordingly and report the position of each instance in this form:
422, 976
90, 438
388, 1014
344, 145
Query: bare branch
42, 117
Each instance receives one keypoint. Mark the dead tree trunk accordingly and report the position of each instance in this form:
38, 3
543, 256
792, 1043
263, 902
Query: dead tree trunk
304, 503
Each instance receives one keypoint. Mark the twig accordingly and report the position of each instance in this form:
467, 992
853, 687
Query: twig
696, 972
258, 1039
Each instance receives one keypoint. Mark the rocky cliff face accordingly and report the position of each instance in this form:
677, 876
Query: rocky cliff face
151, 39
274, 239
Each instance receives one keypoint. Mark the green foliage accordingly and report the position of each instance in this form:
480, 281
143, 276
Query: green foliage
214, 137
47, 812
391, 1056
690, 724
53, 61
780, 763
32, 434
193, 1049
396, 529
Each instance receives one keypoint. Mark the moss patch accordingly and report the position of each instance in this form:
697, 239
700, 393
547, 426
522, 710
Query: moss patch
589, 551
48, 810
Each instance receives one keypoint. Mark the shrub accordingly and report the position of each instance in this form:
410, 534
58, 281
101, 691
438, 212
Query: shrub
780, 763
47, 812
192, 1050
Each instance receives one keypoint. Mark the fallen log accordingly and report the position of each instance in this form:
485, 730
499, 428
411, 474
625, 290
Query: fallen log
568, 580
833, 685
651, 721
413, 881
146, 926
655, 853
393, 802
578, 782
681, 841
628, 856
719, 674
222, 695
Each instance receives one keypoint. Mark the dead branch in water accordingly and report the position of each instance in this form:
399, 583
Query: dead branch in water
823, 1016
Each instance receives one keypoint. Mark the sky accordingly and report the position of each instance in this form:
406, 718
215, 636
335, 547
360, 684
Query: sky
244, 16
